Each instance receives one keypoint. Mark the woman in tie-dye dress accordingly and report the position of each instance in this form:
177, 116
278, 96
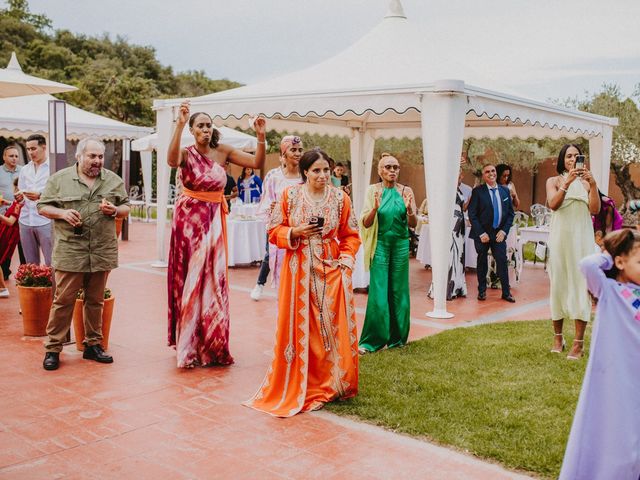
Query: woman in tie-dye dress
197, 275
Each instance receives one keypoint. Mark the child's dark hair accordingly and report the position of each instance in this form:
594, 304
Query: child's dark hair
620, 242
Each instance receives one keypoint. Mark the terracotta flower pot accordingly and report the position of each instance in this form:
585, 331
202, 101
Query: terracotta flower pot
78, 322
35, 303
119, 222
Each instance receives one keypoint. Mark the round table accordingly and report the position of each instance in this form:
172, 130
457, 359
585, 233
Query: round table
246, 240
245, 210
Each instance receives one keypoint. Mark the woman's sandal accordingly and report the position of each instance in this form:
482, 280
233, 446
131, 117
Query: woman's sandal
564, 344
576, 357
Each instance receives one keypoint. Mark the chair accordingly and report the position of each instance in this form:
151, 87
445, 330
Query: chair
521, 219
171, 200
538, 212
136, 201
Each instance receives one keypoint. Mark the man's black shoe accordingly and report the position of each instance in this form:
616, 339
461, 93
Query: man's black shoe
509, 298
482, 296
51, 361
95, 352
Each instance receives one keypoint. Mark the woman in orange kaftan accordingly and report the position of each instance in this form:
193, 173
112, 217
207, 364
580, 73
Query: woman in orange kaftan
198, 287
316, 352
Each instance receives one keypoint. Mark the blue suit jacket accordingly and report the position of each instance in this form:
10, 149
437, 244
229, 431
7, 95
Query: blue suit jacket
481, 212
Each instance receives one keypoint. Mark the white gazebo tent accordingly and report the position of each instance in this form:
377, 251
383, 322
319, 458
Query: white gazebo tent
27, 115
393, 83
15, 83
23, 116
147, 144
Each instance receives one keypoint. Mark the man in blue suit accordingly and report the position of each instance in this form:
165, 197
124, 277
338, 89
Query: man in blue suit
491, 215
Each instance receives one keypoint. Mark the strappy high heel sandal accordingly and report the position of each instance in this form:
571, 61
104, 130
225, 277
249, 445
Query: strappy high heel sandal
577, 356
564, 344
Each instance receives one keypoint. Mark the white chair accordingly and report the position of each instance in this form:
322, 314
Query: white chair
171, 200
521, 219
538, 212
136, 201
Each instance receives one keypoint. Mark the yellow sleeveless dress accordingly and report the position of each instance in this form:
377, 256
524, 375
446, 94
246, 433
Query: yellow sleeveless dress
570, 240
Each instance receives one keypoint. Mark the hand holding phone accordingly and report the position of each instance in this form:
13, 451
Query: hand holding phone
318, 221
314, 227
580, 163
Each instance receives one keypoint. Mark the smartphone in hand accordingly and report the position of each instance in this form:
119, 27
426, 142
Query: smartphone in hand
319, 221
580, 161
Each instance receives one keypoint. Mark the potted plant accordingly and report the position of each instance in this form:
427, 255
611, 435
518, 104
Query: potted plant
119, 222
35, 294
78, 318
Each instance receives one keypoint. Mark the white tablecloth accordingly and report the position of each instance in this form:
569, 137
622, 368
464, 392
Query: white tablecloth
359, 277
246, 241
534, 234
424, 248
247, 210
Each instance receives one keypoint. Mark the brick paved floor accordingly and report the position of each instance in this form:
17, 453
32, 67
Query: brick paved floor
142, 418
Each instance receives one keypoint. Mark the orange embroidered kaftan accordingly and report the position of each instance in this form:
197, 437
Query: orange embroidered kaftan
316, 355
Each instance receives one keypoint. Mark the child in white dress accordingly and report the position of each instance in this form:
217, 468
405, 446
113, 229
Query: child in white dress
605, 436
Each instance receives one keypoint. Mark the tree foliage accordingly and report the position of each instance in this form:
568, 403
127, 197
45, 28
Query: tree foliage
19, 10
114, 78
626, 136
520, 154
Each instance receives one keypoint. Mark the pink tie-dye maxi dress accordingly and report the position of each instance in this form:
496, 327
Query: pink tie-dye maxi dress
197, 277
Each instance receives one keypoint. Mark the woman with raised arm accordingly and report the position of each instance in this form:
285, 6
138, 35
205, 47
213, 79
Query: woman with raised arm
573, 197
197, 273
315, 357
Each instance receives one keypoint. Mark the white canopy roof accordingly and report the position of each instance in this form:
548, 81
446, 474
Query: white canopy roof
393, 82
229, 136
23, 116
15, 83
378, 81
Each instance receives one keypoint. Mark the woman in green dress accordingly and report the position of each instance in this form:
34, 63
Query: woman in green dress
573, 197
389, 211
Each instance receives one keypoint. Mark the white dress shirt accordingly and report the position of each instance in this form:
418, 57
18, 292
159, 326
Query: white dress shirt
31, 180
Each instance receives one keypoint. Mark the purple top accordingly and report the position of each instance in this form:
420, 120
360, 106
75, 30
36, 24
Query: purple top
617, 218
605, 436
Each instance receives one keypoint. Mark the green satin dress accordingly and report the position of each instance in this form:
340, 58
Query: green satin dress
387, 319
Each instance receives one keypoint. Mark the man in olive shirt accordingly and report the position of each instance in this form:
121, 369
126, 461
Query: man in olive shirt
83, 200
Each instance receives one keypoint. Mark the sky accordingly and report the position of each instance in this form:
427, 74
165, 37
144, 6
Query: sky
542, 49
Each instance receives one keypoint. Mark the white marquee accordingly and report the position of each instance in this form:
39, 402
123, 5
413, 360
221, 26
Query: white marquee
394, 83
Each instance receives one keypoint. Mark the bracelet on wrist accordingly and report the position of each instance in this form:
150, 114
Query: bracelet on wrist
262, 142
563, 189
115, 214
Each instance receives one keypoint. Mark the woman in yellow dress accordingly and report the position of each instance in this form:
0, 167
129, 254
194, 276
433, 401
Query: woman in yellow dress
573, 197
316, 353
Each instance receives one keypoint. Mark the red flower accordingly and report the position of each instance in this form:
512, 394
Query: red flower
32, 275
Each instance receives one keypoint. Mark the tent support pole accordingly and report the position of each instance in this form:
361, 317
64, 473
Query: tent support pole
443, 112
361, 149
164, 126
600, 158
126, 178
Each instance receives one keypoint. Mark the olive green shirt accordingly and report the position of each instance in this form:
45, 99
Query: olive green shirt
95, 249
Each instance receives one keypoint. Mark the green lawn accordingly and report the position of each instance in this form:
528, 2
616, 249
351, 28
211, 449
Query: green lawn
494, 390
